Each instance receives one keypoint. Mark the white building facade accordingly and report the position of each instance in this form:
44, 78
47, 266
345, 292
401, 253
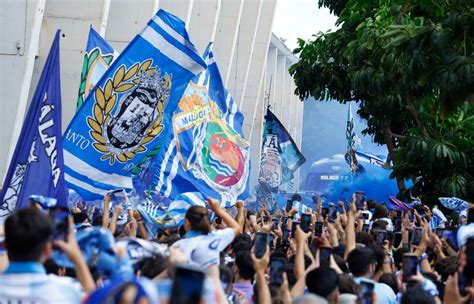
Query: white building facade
253, 62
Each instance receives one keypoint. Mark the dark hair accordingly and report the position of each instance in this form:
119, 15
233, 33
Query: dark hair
97, 220
398, 256
359, 260
243, 262
322, 281
197, 217
446, 267
379, 225
151, 267
416, 295
371, 204
380, 211
391, 280
341, 263
79, 217
296, 197
241, 242
27, 231
347, 284
363, 237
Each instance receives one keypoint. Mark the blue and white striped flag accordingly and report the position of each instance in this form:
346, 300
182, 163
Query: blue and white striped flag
206, 151
129, 111
453, 203
438, 219
160, 217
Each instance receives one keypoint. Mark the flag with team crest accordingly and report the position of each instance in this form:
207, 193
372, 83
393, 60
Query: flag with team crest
206, 150
130, 109
97, 59
37, 164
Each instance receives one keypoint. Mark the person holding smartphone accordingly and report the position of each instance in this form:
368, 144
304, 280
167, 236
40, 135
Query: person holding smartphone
201, 245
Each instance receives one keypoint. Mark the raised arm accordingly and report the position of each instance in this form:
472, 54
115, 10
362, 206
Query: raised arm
105, 210
215, 206
350, 231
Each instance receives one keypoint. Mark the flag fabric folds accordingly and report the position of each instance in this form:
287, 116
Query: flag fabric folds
353, 142
453, 203
280, 156
129, 110
156, 216
396, 204
206, 150
97, 59
36, 167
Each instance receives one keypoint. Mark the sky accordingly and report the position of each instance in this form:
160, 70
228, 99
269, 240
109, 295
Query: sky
300, 19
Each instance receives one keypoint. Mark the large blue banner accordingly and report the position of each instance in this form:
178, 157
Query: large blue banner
129, 111
206, 151
37, 164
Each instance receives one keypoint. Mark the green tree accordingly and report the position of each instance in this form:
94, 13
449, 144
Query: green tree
409, 64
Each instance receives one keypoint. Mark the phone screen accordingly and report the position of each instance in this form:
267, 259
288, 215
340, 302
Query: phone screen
325, 211
275, 224
360, 197
365, 292
284, 222
324, 255
289, 205
416, 237
187, 286
277, 267
410, 266
61, 223
305, 222
397, 239
332, 216
286, 237
366, 228
381, 237
318, 228
440, 232
293, 228
261, 241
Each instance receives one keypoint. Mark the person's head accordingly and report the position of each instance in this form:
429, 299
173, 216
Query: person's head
398, 256
324, 282
379, 225
243, 268
416, 295
380, 211
347, 284
153, 266
241, 242
371, 204
391, 280
27, 236
196, 219
80, 218
296, 197
362, 262
227, 278
446, 267
364, 238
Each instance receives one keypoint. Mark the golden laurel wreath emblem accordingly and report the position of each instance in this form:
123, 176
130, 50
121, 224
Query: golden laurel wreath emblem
106, 98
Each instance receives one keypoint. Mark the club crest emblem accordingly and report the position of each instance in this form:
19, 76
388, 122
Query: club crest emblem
120, 132
207, 145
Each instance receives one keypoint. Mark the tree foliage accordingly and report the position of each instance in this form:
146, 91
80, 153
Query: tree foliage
410, 66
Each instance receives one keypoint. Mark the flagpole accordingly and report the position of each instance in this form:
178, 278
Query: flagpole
33, 47
105, 18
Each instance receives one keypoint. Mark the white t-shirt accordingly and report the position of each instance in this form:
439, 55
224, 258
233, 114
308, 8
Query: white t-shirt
203, 250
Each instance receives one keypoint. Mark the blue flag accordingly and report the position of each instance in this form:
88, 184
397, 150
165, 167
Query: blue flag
129, 111
206, 152
37, 164
97, 59
280, 155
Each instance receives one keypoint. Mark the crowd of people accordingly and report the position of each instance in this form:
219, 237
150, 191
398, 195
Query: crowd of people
360, 252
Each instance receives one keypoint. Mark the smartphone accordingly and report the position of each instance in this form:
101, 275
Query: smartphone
318, 228
271, 239
324, 255
410, 266
416, 236
365, 215
325, 211
469, 267
265, 219
470, 215
275, 224
289, 205
360, 199
188, 285
284, 222
332, 215
366, 228
462, 283
305, 222
381, 237
277, 267
293, 228
60, 218
366, 290
397, 224
260, 244
285, 237
397, 239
